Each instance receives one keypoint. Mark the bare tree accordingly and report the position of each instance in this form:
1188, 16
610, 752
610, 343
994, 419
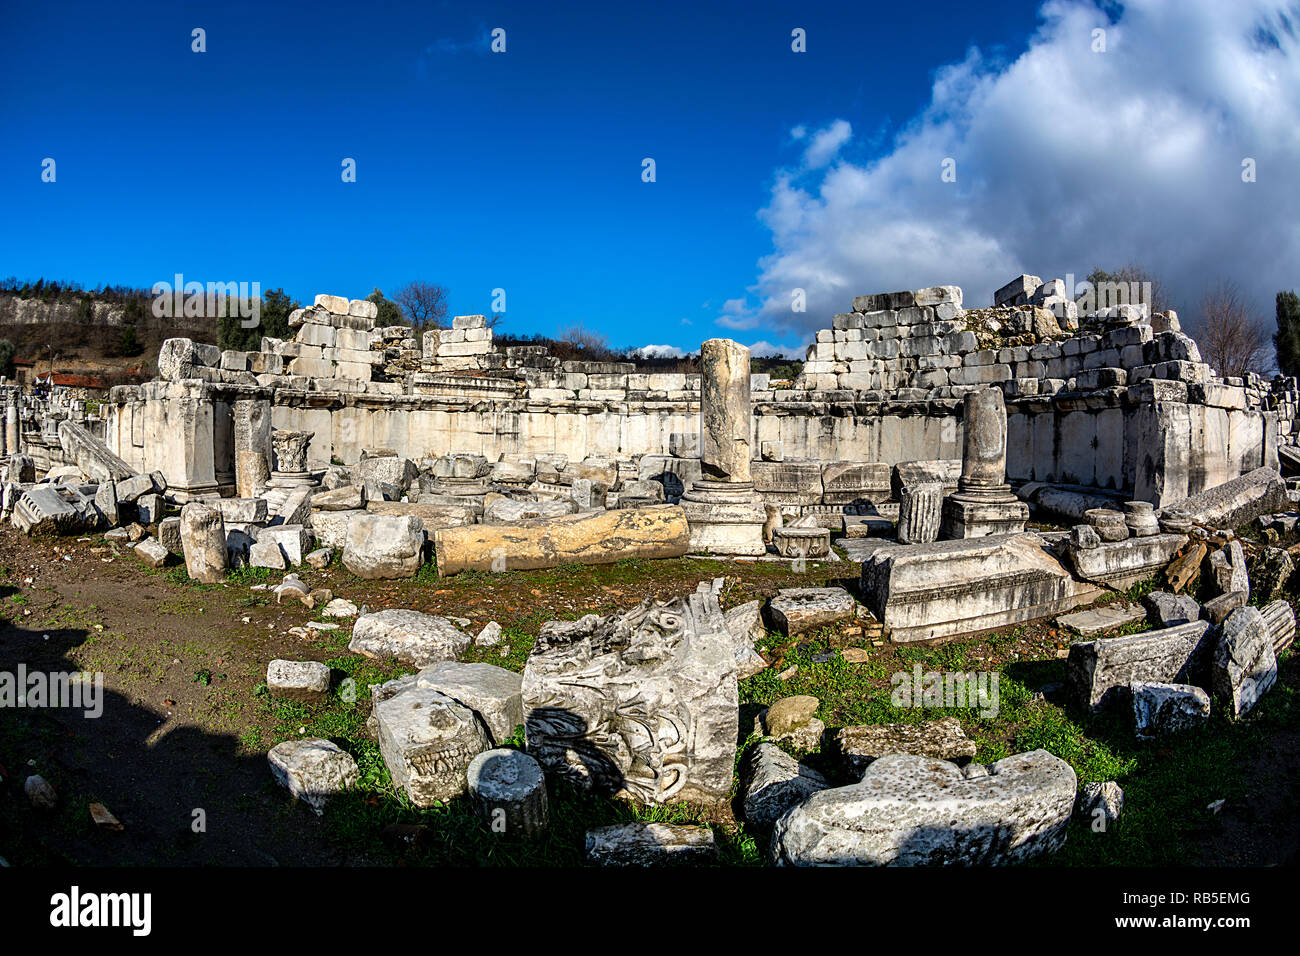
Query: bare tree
423, 303
588, 340
1234, 341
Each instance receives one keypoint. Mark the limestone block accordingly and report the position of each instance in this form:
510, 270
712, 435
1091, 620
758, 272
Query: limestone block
1239, 501
1161, 709
772, 782
408, 637
331, 527
298, 680
1245, 664
798, 610
911, 810
313, 770
802, 542
1098, 672
242, 510
509, 510
151, 552
428, 741
383, 546
650, 844
493, 693
859, 746
593, 538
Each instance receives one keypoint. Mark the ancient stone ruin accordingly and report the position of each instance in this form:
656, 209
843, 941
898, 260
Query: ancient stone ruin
974, 469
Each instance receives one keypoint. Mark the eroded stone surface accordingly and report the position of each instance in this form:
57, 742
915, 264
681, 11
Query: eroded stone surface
650, 844
408, 636
772, 782
1245, 664
313, 770
797, 610
861, 745
643, 702
910, 810
428, 742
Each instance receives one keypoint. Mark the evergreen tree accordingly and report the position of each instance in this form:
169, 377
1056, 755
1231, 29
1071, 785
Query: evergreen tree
390, 313
1287, 339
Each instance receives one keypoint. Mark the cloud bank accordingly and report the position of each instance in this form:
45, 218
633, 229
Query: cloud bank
1066, 159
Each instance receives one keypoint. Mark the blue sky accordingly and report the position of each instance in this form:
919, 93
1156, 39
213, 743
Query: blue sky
522, 170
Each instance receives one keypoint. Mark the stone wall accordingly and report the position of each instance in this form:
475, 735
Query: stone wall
1111, 399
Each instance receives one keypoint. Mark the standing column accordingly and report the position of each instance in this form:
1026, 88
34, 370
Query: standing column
983, 503
725, 514
252, 440
11, 426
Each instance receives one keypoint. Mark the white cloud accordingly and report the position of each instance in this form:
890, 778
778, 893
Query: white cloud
1066, 159
826, 144
659, 351
766, 349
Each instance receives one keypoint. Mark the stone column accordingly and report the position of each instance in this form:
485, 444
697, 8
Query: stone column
726, 516
726, 414
983, 504
920, 512
252, 426
9, 440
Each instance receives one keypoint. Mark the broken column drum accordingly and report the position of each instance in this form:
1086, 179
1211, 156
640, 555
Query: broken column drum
983, 503
252, 427
724, 512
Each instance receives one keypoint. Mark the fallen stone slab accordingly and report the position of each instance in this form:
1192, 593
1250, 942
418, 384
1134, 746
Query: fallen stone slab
1160, 710
242, 510
1228, 568
642, 703
298, 680
772, 782
1279, 616
91, 455
266, 554
169, 533
383, 546
408, 637
493, 693
1096, 620
331, 528
1239, 501
510, 791
925, 591
745, 624
1271, 573
1245, 664
1121, 564
54, 509
859, 746
910, 810
431, 515
313, 770
799, 610
347, 498
1098, 673
650, 844
428, 741
592, 538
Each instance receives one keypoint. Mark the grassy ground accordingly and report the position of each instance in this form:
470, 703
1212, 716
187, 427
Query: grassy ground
191, 720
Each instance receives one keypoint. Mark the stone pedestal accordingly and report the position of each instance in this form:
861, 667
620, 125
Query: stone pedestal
725, 514
983, 503
725, 517
187, 439
289, 451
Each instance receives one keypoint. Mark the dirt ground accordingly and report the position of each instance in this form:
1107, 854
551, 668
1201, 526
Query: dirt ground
184, 733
